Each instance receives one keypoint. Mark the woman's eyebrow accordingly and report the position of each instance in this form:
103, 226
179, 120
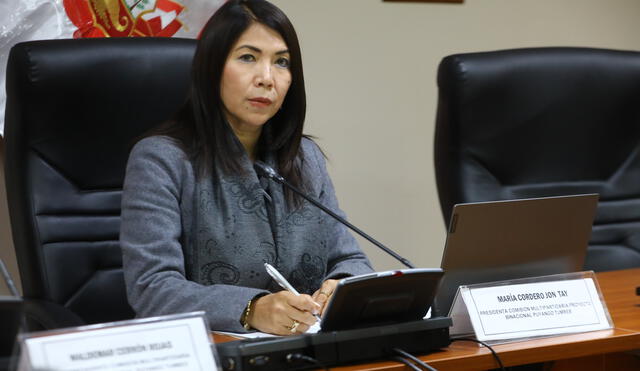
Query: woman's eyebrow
258, 50
250, 47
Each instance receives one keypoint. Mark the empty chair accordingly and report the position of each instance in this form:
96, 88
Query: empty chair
74, 109
536, 122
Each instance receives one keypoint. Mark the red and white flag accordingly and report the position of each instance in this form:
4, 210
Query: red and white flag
24, 20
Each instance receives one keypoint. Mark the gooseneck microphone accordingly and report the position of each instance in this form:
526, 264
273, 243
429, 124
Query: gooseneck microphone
7, 279
268, 172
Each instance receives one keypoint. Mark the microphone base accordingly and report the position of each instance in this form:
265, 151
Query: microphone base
335, 347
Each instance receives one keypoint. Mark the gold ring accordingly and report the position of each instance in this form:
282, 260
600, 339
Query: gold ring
325, 293
294, 326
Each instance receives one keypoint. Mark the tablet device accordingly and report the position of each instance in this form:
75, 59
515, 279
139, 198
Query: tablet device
381, 298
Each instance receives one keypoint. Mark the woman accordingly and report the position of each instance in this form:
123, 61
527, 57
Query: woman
198, 223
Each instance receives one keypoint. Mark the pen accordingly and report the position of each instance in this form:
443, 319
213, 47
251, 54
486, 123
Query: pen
283, 282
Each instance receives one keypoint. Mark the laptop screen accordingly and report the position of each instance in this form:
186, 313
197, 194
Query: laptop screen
501, 240
10, 320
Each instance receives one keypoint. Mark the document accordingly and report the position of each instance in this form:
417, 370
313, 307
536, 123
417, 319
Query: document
257, 334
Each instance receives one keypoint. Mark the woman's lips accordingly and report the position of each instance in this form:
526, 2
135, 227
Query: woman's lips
260, 102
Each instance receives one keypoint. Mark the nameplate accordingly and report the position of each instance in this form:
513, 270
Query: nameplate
176, 343
542, 306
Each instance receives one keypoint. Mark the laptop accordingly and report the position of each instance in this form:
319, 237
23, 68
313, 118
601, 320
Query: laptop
502, 240
11, 317
10, 321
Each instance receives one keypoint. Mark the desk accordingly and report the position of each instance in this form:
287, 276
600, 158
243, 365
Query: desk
599, 350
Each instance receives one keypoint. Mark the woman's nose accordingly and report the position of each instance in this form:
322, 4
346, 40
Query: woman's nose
264, 76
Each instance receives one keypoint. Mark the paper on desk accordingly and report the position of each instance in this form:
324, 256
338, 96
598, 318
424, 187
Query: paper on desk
253, 335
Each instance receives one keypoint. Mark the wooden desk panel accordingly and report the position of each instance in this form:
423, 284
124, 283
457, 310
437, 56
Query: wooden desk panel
597, 350
470, 356
619, 290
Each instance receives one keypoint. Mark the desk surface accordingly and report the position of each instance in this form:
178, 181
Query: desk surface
618, 288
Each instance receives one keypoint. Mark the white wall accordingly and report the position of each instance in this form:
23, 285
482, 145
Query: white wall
6, 246
370, 72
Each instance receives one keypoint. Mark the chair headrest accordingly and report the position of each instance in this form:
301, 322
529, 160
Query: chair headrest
71, 100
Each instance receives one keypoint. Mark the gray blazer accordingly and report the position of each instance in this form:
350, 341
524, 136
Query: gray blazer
185, 249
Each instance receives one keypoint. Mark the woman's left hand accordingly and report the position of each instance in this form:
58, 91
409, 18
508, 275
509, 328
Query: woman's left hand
322, 295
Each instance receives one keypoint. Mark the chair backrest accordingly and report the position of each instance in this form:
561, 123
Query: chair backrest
74, 109
542, 122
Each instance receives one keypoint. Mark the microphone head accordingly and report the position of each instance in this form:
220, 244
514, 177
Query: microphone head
267, 171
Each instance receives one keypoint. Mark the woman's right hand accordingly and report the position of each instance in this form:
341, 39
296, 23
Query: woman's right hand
276, 313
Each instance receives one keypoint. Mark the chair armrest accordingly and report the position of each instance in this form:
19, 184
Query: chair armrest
47, 315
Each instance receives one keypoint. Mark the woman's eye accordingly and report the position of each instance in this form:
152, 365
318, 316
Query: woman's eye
247, 58
282, 62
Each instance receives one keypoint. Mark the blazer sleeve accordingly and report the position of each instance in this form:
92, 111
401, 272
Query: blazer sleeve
345, 256
158, 177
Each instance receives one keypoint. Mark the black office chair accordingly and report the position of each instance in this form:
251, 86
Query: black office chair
540, 122
74, 109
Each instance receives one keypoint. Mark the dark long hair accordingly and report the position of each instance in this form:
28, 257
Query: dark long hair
201, 125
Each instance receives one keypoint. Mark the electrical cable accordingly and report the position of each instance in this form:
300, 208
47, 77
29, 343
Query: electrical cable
292, 357
415, 359
493, 352
406, 362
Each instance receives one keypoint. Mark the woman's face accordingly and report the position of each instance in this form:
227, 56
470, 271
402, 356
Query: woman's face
255, 79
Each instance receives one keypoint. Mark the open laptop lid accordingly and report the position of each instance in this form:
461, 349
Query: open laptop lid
10, 314
501, 240
10, 321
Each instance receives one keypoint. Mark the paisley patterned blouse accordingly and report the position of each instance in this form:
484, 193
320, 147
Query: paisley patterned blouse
192, 244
